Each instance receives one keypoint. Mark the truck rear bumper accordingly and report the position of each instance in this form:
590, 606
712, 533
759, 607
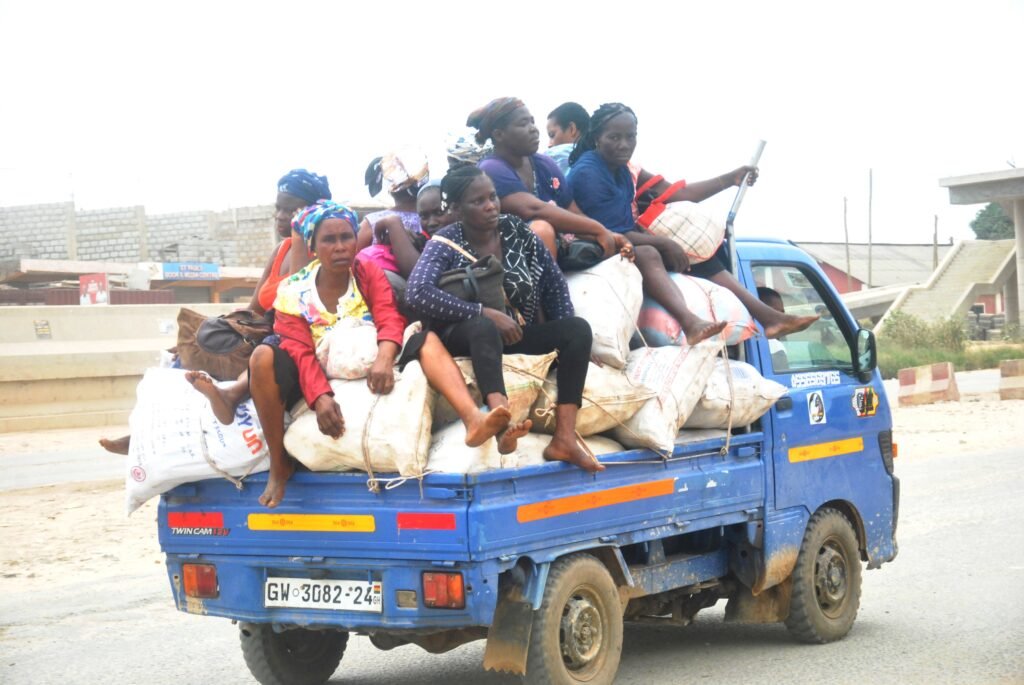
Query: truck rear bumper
242, 582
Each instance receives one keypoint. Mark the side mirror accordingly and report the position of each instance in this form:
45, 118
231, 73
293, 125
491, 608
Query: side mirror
865, 357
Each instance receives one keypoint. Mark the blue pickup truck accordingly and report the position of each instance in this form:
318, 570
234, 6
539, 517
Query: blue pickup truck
547, 563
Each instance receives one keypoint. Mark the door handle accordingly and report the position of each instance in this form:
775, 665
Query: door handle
784, 404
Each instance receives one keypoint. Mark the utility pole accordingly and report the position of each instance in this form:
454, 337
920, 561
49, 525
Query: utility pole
870, 192
846, 238
935, 244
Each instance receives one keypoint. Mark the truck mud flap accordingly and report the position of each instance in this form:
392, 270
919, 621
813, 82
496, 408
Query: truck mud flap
508, 638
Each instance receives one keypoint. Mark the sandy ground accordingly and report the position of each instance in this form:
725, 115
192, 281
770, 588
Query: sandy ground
76, 532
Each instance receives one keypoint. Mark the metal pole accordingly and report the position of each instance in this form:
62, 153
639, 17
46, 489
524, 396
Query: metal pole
846, 238
935, 244
870, 192
736, 207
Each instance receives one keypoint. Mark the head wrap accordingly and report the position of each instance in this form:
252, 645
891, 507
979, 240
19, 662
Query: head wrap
463, 148
598, 120
397, 171
308, 220
304, 185
491, 116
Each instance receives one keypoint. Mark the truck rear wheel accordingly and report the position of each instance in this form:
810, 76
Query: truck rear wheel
577, 632
826, 580
291, 657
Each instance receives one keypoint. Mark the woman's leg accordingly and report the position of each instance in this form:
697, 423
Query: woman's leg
776, 324
116, 445
659, 287
225, 400
266, 396
547, 234
444, 376
479, 338
572, 338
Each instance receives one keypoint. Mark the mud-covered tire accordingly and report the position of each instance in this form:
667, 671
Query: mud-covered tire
826, 580
577, 632
292, 657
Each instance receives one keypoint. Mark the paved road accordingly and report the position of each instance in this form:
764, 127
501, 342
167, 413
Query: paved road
950, 609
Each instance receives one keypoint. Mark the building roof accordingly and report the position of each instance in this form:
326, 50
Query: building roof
891, 263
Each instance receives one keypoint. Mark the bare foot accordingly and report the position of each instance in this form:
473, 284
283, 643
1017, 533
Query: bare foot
789, 324
572, 452
274, 492
508, 440
485, 426
702, 330
117, 445
222, 407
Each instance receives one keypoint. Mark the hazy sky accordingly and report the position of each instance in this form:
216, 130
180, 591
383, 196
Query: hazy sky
190, 105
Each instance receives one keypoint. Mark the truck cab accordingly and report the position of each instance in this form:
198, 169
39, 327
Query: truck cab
548, 563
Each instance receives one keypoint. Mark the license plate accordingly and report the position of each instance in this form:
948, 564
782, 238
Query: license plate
305, 593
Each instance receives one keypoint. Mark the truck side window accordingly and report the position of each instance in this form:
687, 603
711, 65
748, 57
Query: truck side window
821, 346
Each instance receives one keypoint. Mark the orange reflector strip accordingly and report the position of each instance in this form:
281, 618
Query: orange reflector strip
825, 450
594, 500
314, 523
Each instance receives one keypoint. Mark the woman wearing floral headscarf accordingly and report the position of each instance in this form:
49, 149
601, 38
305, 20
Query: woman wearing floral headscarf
336, 286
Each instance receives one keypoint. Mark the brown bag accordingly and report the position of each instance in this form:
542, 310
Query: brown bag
221, 345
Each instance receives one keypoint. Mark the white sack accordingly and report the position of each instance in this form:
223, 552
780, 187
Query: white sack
523, 373
173, 427
392, 431
753, 395
609, 398
677, 375
608, 296
449, 453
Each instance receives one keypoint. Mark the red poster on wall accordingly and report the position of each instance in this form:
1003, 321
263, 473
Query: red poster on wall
93, 289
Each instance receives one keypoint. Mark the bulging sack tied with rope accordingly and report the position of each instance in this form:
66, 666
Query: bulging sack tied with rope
608, 296
383, 433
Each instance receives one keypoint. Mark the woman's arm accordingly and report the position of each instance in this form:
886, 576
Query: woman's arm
297, 341
402, 247
254, 303
365, 237
298, 256
572, 220
700, 190
423, 295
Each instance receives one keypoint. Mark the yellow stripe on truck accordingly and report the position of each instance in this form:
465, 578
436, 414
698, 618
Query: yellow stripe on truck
824, 450
314, 523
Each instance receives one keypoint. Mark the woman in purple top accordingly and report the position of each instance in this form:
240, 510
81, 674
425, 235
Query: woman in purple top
530, 185
538, 317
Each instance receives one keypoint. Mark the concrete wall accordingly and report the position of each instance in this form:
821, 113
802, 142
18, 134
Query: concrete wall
85, 373
234, 237
242, 236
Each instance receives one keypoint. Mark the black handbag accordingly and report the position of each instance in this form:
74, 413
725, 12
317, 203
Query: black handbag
481, 281
580, 254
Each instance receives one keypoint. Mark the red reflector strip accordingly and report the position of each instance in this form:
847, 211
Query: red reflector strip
195, 519
407, 521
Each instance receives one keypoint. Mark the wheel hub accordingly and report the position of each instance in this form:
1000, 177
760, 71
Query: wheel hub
581, 632
830, 578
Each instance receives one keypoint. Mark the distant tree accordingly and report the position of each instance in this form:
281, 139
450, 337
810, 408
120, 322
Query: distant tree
992, 223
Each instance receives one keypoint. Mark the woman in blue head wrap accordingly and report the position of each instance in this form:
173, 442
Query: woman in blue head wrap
333, 287
295, 190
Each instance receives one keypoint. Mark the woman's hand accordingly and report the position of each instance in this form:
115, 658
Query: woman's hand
509, 330
381, 378
737, 175
672, 254
328, 416
613, 243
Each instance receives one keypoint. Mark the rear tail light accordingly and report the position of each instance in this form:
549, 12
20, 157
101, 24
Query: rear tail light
200, 580
444, 591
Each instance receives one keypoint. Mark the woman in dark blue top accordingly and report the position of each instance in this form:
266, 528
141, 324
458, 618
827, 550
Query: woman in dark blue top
538, 319
604, 189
